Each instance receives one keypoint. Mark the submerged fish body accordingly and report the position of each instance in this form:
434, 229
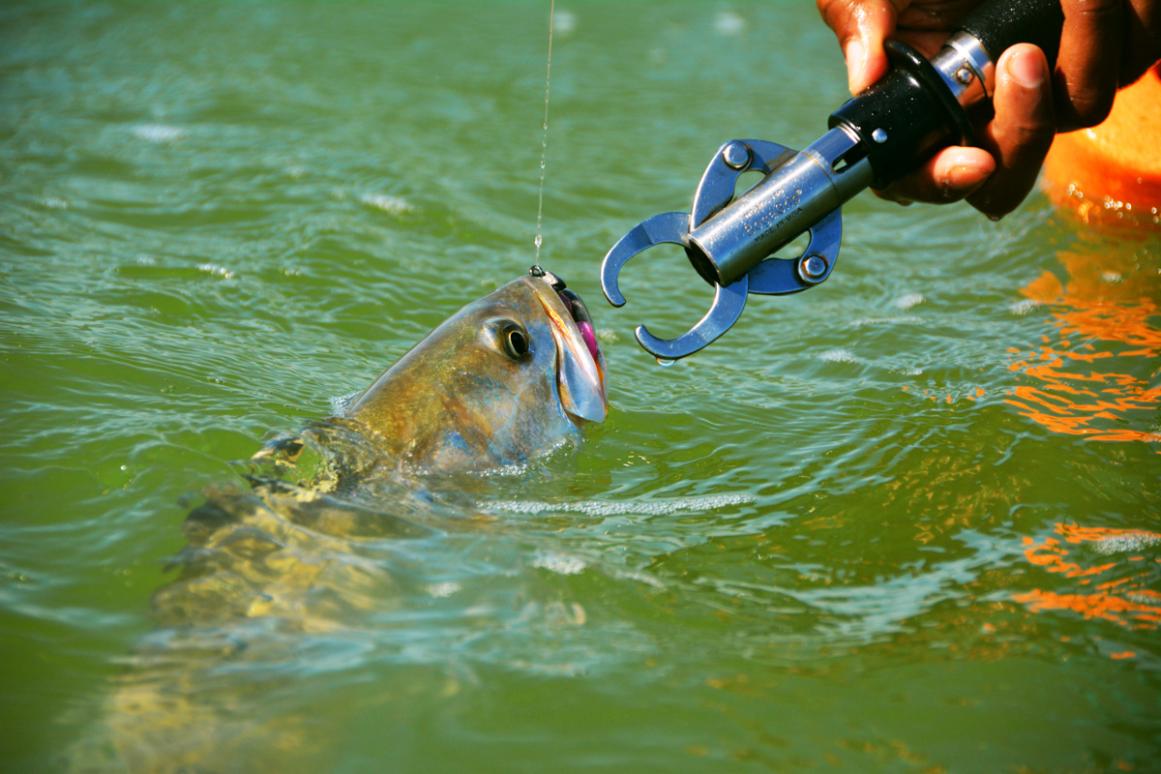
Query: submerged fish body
306, 551
502, 381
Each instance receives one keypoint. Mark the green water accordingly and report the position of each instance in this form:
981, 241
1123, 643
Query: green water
908, 520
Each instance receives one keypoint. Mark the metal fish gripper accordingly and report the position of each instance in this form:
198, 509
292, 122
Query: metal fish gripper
874, 138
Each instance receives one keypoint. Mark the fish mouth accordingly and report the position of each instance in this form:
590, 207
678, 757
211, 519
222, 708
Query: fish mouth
584, 323
581, 364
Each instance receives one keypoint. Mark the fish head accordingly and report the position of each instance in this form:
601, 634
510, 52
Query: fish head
508, 377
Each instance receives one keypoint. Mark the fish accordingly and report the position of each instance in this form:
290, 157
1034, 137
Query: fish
302, 550
501, 382
504, 381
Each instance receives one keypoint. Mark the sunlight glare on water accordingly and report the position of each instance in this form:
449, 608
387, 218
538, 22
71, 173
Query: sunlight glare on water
906, 520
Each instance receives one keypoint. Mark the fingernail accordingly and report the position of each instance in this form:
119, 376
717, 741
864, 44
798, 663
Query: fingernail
856, 56
964, 177
1026, 70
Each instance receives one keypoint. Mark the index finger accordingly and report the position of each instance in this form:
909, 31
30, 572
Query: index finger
1088, 63
861, 26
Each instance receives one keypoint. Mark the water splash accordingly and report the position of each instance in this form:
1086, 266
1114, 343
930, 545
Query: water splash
158, 133
539, 239
604, 508
392, 205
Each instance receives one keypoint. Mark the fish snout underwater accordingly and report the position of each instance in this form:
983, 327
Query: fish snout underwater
507, 378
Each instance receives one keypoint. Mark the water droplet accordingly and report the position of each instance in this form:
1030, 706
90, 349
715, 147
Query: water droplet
665, 362
538, 241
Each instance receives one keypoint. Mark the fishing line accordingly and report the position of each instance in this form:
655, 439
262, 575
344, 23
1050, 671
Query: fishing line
539, 239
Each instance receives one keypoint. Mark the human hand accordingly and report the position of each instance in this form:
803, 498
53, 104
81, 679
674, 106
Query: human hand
1104, 43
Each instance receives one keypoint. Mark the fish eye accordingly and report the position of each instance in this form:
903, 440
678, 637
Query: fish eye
515, 340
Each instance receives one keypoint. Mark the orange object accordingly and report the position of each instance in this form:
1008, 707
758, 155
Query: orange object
1112, 172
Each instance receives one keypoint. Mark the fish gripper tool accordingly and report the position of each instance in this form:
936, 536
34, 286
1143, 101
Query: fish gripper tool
873, 139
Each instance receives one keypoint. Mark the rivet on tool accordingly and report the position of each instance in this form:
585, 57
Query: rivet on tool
879, 135
812, 268
736, 155
964, 75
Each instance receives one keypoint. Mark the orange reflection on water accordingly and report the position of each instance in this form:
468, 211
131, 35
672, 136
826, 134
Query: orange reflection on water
1122, 597
1115, 318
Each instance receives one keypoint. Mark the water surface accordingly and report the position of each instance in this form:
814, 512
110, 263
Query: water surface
908, 520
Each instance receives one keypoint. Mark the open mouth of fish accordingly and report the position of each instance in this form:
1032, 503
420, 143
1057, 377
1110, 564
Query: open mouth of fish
584, 323
578, 324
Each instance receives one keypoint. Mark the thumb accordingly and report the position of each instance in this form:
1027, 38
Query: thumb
1020, 134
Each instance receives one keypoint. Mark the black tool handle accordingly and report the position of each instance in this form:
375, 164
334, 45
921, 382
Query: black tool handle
1001, 24
911, 113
